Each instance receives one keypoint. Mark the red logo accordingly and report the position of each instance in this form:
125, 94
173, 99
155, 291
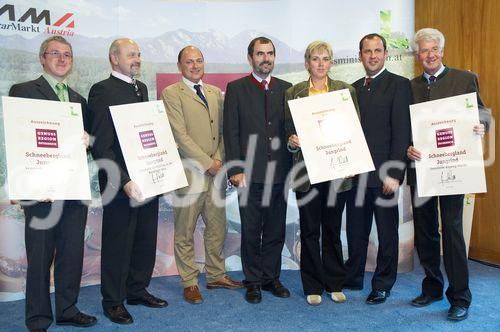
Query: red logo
46, 138
445, 137
147, 139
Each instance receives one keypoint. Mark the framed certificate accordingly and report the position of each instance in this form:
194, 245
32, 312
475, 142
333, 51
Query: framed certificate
46, 157
331, 137
148, 147
452, 155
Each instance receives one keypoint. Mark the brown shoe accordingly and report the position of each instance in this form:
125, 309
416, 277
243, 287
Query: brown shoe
192, 295
225, 282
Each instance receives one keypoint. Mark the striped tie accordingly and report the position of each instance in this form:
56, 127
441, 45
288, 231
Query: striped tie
61, 89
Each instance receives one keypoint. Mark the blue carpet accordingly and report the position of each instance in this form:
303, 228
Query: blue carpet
226, 310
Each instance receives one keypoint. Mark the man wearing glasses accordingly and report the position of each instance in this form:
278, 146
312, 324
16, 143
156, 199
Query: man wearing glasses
63, 243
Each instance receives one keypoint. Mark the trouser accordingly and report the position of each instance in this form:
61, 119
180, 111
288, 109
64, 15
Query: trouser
427, 242
262, 233
359, 225
321, 264
63, 245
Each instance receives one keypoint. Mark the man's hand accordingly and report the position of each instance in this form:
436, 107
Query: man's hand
293, 142
413, 153
390, 185
238, 180
132, 190
214, 169
479, 129
86, 139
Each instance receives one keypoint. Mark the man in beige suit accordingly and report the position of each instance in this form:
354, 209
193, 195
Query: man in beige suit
194, 110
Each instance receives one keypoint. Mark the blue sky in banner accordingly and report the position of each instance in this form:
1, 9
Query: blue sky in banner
294, 22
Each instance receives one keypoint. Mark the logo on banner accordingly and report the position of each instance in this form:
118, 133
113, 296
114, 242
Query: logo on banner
36, 20
148, 139
445, 137
46, 138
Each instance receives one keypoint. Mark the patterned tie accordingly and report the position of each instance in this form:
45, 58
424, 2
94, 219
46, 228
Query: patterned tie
368, 80
61, 87
197, 87
432, 79
263, 85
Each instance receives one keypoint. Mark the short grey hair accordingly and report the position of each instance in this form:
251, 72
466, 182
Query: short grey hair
317, 46
427, 34
46, 42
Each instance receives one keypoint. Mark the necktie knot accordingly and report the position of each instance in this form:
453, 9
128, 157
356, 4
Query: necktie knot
368, 80
61, 89
263, 84
199, 93
432, 79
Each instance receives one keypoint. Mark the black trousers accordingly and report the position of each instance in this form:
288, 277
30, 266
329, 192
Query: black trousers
128, 249
61, 244
321, 264
427, 242
359, 225
262, 233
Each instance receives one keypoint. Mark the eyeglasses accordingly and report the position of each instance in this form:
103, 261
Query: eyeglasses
57, 54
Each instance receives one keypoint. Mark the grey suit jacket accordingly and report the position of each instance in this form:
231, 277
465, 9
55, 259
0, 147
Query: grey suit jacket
196, 129
301, 90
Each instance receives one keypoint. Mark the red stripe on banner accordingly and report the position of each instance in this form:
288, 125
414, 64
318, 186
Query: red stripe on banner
63, 19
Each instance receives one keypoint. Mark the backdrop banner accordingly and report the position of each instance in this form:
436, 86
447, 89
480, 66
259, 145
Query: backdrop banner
222, 30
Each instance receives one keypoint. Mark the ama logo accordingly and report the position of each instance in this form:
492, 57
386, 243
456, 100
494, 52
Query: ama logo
34, 20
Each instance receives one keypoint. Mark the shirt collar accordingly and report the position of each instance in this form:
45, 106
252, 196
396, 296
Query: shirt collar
122, 77
439, 72
268, 78
377, 74
311, 85
53, 81
192, 84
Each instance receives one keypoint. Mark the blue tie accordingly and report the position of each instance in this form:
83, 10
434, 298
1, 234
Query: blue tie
197, 87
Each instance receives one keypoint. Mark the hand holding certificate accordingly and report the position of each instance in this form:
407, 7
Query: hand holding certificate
451, 153
148, 147
46, 157
331, 137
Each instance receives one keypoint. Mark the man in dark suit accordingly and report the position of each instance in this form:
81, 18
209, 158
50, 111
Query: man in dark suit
258, 163
439, 81
384, 100
62, 243
129, 224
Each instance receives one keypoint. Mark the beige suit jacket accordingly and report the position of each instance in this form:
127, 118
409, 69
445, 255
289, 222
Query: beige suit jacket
197, 131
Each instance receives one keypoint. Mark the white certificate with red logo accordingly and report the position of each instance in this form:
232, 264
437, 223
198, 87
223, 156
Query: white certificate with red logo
148, 147
452, 155
46, 156
331, 137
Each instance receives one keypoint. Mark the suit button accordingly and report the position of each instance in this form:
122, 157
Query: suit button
269, 123
211, 121
213, 138
270, 138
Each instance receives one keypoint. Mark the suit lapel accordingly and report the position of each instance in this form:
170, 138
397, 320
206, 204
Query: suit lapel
45, 89
191, 94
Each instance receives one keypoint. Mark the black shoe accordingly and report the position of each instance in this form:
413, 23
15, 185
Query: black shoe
424, 300
148, 300
377, 297
79, 320
276, 288
253, 294
458, 313
118, 314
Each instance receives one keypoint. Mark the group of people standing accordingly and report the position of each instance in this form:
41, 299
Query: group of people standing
250, 135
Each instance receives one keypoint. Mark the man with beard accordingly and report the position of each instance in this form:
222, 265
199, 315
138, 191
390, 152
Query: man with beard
253, 138
129, 224
384, 105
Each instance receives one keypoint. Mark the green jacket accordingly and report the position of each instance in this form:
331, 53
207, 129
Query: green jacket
301, 90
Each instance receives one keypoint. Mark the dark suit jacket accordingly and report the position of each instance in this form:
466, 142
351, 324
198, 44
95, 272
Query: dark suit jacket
452, 82
245, 117
41, 89
301, 90
110, 92
384, 109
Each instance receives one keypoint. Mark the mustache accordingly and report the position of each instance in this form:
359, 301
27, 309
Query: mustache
265, 63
